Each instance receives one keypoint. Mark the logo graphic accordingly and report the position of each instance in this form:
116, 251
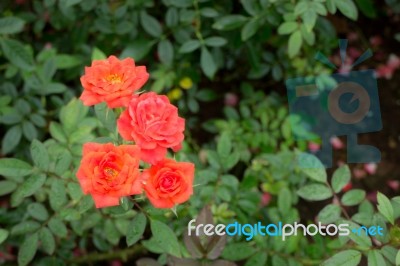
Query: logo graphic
340, 104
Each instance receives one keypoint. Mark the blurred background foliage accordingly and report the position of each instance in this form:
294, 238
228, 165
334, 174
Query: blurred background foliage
223, 64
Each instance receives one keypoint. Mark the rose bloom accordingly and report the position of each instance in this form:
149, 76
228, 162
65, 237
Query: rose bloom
113, 81
153, 123
109, 172
168, 183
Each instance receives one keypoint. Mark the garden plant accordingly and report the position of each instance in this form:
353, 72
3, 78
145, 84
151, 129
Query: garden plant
131, 129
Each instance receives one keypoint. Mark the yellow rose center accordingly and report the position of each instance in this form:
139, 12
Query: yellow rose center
114, 78
110, 173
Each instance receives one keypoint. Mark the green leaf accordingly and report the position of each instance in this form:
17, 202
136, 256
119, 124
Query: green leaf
165, 238
367, 8
397, 257
62, 162
28, 249
106, 116
341, 177
312, 167
165, 52
284, 201
57, 132
315, 192
249, 29
97, 54
189, 46
72, 114
308, 35
209, 12
53, 88
330, 4
14, 168
375, 258
30, 185
65, 61
38, 211
287, 27
215, 41
70, 3
250, 7
136, 229
75, 191
344, 258
329, 214
29, 130
385, 207
111, 232
150, 24
360, 238
11, 25
11, 139
353, 197
224, 194
224, 145
3, 235
238, 251
47, 241
58, 227
309, 18
40, 155
17, 54
295, 42
172, 17
348, 8
259, 259
57, 195
390, 253
229, 22
6, 187
301, 7
207, 63
25, 227
138, 49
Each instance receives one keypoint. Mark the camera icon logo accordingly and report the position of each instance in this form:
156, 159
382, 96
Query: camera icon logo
340, 104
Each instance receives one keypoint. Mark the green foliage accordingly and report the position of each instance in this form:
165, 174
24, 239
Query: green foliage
249, 166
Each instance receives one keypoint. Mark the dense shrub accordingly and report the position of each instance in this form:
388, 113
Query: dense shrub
222, 63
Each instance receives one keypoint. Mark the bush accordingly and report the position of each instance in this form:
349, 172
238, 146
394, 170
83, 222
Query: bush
221, 63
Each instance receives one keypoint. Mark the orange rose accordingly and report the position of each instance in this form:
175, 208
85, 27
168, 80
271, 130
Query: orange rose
153, 123
109, 172
169, 183
113, 81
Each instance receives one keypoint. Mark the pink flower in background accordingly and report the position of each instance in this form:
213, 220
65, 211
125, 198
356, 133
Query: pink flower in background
376, 40
371, 196
352, 36
353, 52
313, 146
231, 99
370, 168
359, 173
394, 184
346, 67
337, 144
393, 61
265, 199
347, 187
340, 163
386, 71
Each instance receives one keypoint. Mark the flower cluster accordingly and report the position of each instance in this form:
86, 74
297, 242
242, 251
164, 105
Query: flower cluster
109, 172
